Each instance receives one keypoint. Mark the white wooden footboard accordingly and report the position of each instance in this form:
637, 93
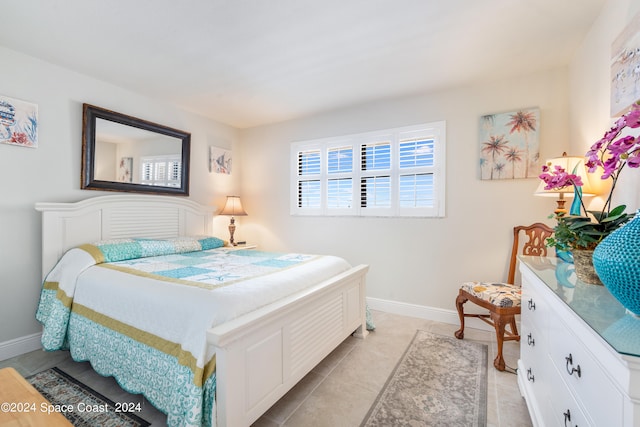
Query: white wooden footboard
262, 355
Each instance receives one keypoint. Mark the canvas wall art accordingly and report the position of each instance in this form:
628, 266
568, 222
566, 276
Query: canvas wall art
220, 160
509, 145
18, 122
625, 68
125, 169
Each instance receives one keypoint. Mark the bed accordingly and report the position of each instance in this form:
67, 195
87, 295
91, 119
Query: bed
229, 364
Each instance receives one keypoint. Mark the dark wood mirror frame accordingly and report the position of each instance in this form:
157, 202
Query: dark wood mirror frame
90, 114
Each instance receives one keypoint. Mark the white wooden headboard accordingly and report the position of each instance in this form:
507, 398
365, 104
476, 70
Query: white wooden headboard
65, 225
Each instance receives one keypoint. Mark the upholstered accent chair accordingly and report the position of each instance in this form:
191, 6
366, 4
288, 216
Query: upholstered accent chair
503, 299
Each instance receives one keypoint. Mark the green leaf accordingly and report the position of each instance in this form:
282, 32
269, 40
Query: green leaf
598, 215
617, 210
612, 218
581, 224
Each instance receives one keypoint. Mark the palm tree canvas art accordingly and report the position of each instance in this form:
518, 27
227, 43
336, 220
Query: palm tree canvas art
509, 145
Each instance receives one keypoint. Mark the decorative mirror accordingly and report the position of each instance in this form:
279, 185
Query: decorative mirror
123, 153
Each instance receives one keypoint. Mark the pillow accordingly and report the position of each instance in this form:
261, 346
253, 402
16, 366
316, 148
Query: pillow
123, 249
211, 243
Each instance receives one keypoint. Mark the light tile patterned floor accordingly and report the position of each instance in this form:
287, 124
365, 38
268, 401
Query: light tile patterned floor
341, 389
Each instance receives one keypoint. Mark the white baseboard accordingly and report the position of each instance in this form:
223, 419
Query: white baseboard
21, 345
424, 312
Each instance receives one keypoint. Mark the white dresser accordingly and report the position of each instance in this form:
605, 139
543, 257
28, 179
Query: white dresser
579, 350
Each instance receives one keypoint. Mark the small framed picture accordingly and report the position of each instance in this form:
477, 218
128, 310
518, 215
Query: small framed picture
18, 122
220, 160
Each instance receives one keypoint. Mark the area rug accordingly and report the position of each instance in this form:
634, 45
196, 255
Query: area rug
83, 406
439, 381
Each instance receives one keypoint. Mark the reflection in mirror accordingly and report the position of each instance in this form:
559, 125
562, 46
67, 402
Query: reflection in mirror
123, 153
128, 154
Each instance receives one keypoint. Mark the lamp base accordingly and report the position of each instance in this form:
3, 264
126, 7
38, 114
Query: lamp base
232, 229
560, 210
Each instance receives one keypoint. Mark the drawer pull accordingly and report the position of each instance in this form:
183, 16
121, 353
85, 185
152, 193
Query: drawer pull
530, 340
530, 376
567, 417
531, 304
573, 370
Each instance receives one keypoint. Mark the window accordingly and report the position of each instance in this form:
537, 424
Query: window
396, 172
161, 170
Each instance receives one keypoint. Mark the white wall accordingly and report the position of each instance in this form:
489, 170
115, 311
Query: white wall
417, 261
590, 86
51, 172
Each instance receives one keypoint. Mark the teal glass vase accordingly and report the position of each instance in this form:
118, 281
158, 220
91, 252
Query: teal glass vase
617, 261
567, 256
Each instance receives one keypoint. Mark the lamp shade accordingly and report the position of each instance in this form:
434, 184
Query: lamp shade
233, 207
573, 165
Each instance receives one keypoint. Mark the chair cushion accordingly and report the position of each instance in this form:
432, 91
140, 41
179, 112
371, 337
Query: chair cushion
498, 294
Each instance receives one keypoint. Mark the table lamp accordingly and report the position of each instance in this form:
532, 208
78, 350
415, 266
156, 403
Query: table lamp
573, 165
233, 207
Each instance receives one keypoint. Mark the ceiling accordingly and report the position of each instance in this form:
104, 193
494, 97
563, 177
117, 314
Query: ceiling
252, 62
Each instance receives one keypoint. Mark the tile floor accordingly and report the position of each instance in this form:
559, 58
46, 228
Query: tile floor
341, 389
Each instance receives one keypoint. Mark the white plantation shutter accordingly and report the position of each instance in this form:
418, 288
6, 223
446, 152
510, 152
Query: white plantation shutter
340, 193
339, 178
175, 170
376, 156
147, 171
416, 171
309, 194
161, 170
416, 191
308, 179
375, 175
396, 172
375, 191
340, 160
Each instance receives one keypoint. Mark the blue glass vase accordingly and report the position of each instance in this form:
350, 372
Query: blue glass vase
617, 262
567, 256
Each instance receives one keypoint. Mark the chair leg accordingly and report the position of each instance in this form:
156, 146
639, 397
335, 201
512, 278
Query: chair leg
460, 300
514, 328
500, 323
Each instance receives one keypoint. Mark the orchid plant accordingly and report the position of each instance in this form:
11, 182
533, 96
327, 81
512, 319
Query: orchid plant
611, 153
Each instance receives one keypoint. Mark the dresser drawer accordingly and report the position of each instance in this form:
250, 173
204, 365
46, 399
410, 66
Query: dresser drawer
585, 377
534, 310
533, 370
533, 382
535, 378
532, 349
564, 410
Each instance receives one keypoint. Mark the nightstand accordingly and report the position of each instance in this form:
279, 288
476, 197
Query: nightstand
241, 247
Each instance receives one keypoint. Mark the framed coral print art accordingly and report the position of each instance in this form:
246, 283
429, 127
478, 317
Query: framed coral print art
18, 122
509, 145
